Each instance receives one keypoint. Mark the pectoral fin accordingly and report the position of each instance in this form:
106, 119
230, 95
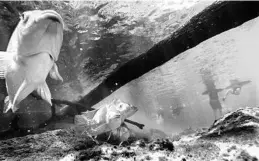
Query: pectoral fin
101, 129
114, 122
7, 107
54, 74
6, 100
5, 59
7, 104
43, 91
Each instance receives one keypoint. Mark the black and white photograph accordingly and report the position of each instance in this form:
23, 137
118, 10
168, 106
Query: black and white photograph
129, 80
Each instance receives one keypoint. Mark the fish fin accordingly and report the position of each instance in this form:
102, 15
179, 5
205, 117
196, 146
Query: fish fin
110, 134
245, 82
5, 58
23, 91
44, 92
81, 119
234, 81
89, 114
102, 129
7, 105
54, 74
6, 100
123, 124
100, 115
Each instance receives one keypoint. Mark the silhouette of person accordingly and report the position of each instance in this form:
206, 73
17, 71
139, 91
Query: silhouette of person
212, 92
177, 111
160, 116
235, 87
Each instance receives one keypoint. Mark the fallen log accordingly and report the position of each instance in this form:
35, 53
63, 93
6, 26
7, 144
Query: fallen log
215, 19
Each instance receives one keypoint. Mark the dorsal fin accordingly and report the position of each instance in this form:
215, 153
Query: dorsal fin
100, 115
89, 114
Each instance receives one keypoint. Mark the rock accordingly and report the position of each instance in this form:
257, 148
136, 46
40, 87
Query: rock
86, 155
244, 120
65, 144
140, 143
244, 155
156, 134
161, 144
50, 144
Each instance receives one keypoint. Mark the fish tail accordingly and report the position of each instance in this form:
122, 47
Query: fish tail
5, 59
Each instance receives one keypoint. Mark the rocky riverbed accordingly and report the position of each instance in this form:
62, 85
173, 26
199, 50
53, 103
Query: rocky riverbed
232, 137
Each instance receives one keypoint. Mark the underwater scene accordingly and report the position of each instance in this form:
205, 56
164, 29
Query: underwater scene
129, 80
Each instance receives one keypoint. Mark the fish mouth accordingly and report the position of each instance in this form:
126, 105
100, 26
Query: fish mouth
53, 16
55, 19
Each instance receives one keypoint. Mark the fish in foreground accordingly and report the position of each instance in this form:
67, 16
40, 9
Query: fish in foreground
31, 54
105, 119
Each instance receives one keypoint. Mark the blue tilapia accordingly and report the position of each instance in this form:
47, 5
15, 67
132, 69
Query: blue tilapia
107, 118
31, 54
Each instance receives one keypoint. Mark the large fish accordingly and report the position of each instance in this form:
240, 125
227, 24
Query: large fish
31, 54
107, 118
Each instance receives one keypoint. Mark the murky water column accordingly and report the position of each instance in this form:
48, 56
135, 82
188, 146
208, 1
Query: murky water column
193, 84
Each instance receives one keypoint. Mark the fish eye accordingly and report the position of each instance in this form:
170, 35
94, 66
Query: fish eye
24, 17
21, 15
51, 57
